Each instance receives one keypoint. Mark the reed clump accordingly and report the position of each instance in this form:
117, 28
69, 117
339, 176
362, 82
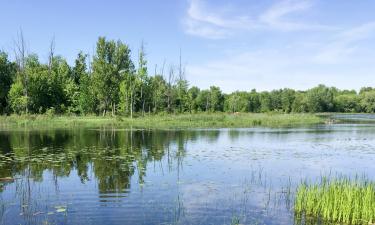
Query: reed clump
163, 121
343, 200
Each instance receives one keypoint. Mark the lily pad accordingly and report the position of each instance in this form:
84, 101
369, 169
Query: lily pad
60, 210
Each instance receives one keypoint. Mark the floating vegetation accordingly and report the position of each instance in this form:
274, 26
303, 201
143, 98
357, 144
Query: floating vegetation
60, 209
340, 200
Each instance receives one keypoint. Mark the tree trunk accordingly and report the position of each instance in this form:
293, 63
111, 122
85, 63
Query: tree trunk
143, 107
131, 105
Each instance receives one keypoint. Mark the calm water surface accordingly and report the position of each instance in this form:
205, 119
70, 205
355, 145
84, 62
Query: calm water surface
221, 176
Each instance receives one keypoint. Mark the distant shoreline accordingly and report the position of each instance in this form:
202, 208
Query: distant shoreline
196, 120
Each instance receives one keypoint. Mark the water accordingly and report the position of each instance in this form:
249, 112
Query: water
201, 176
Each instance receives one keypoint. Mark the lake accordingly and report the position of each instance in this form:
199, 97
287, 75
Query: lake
111, 175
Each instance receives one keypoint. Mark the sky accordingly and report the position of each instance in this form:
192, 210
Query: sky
236, 45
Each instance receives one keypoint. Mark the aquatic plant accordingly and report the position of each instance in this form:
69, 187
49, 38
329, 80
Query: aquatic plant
340, 200
194, 120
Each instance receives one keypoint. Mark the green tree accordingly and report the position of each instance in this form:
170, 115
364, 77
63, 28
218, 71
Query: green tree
347, 103
300, 104
142, 81
193, 94
182, 95
287, 99
237, 102
158, 89
80, 68
203, 100
111, 63
7, 75
17, 100
254, 101
367, 101
265, 102
320, 99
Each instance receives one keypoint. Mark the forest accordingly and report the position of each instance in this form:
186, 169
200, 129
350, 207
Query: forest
110, 83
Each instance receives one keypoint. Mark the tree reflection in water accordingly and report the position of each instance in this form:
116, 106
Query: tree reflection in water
112, 156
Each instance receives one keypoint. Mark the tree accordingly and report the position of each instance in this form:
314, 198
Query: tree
17, 100
367, 102
265, 101
216, 99
7, 75
182, 94
169, 91
287, 99
254, 101
300, 104
347, 103
142, 81
80, 68
237, 102
193, 94
158, 88
22, 76
111, 63
320, 99
87, 98
203, 100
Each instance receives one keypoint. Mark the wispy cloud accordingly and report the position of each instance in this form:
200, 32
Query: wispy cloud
345, 43
204, 23
276, 16
339, 54
273, 69
201, 20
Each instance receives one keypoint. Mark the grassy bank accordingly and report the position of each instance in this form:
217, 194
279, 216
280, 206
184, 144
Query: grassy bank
342, 201
201, 120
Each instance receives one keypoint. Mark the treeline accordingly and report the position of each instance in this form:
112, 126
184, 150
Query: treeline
110, 83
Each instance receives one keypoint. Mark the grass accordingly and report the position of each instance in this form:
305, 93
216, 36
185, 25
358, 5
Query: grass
343, 201
199, 120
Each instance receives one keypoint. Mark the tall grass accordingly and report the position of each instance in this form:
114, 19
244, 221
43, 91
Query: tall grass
198, 120
341, 200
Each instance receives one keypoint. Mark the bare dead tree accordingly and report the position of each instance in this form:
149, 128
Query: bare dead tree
51, 52
20, 53
141, 56
169, 90
180, 74
162, 68
181, 81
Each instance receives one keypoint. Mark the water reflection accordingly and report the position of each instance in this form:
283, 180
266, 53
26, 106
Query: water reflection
119, 176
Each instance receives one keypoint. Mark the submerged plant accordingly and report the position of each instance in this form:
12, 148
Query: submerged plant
339, 200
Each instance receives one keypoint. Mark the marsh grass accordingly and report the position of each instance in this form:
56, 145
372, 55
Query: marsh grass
340, 200
198, 120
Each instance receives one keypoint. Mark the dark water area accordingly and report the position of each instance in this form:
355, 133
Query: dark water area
197, 176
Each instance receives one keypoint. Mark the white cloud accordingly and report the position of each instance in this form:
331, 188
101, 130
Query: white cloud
201, 20
214, 25
264, 70
274, 69
334, 56
344, 44
275, 16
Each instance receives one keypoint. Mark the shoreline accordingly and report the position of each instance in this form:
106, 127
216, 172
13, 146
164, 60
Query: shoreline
195, 120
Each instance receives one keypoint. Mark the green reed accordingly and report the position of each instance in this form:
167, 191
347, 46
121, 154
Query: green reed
341, 200
186, 120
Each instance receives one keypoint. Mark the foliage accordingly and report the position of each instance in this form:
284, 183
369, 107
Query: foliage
339, 200
112, 83
111, 62
7, 74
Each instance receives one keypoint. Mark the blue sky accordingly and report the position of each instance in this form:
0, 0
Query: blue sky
237, 45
